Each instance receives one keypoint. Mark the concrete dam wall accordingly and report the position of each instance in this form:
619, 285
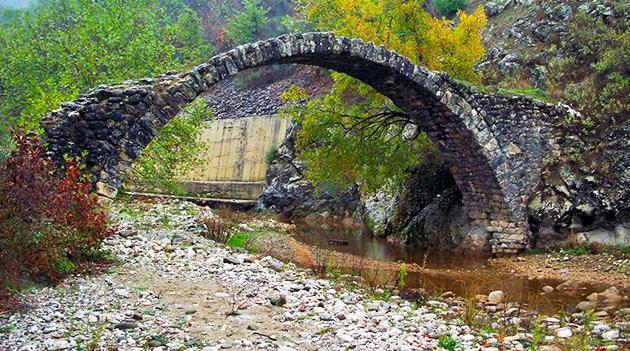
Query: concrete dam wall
233, 163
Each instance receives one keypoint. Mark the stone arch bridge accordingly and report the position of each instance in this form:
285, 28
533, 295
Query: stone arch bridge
495, 144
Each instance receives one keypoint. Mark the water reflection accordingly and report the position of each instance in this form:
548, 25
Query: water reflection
464, 275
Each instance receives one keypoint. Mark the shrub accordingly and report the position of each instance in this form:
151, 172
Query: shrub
48, 224
270, 154
218, 229
449, 8
448, 343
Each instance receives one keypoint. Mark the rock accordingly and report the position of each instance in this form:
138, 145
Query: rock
447, 295
272, 263
278, 300
564, 333
231, 260
511, 311
372, 306
496, 297
121, 292
345, 338
547, 289
492, 9
226, 345
611, 334
59, 344
481, 298
326, 317
594, 297
601, 314
584, 306
126, 325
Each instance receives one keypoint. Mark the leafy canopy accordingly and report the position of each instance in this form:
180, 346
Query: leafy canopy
61, 48
355, 134
448, 8
247, 25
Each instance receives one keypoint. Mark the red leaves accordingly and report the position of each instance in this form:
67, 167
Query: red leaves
46, 223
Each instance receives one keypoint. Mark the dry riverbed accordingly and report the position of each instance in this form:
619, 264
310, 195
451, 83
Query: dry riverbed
173, 289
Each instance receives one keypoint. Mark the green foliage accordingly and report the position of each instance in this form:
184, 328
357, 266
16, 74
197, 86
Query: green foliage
595, 80
354, 134
173, 152
271, 153
7, 329
61, 48
238, 240
448, 8
448, 343
402, 275
247, 25
8, 14
581, 250
538, 335
337, 155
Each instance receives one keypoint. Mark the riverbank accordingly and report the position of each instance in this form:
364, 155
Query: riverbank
174, 289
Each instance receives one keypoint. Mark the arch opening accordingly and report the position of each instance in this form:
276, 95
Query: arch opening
115, 123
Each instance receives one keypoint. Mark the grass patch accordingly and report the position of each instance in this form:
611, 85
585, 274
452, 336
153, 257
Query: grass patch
239, 240
580, 250
6, 329
448, 343
535, 93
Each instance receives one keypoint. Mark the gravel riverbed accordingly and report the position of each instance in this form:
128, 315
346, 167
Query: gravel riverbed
176, 290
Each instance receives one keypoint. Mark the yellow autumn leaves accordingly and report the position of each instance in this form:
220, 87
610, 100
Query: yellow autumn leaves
404, 26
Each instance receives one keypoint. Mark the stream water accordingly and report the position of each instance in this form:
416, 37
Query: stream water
464, 275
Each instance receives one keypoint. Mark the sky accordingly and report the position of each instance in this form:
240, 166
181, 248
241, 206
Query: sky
20, 4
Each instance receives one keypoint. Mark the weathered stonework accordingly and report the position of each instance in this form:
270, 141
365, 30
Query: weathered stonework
497, 144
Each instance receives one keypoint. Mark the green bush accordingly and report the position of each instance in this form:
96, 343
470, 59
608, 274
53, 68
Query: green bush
248, 25
47, 224
448, 343
173, 152
270, 154
449, 8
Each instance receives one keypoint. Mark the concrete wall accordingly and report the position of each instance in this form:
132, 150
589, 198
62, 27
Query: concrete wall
235, 149
233, 164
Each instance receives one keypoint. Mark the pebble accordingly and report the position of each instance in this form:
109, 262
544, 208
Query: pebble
611, 334
564, 333
547, 289
496, 297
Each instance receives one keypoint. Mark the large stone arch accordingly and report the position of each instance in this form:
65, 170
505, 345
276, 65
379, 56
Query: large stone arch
496, 144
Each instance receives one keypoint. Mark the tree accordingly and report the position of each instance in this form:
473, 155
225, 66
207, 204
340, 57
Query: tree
448, 8
60, 48
173, 152
247, 25
355, 134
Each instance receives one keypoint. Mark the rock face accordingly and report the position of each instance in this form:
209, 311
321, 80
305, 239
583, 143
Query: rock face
241, 98
584, 193
290, 194
428, 208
